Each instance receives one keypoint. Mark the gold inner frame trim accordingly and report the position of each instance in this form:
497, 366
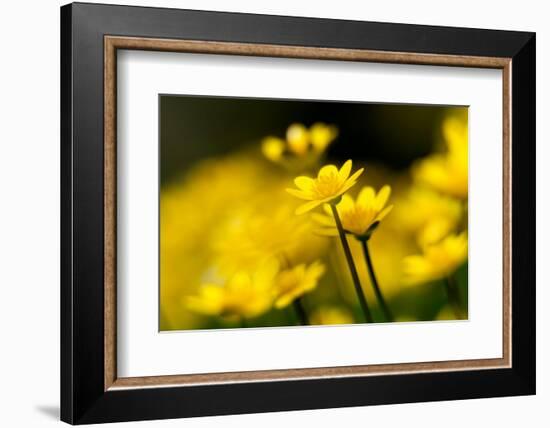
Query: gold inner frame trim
113, 43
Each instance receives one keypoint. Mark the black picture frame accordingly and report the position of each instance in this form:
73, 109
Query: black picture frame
83, 396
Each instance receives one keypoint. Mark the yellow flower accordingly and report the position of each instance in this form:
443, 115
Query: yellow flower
330, 184
244, 295
300, 142
428, 215
321, 136
448, 172
357, 216
268, 228
189, 221
293, 283
331, 316
297, 138
273, 148
438, 261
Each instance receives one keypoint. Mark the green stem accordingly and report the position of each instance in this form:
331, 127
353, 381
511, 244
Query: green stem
453, 296
351, 264
300, 311
374, 282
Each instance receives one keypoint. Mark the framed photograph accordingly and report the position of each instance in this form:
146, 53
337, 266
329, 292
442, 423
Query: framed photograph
265, 213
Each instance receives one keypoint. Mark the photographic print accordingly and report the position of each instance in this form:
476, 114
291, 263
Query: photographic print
277, 213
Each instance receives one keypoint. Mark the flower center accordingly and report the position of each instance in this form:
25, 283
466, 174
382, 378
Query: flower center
327, 185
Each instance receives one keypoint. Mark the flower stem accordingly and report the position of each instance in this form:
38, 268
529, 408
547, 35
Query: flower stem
453, 296
351, 264
374, 282
300, 311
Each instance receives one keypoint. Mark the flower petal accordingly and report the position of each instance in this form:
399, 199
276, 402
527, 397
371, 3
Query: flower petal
300, 194
356, 175
328, 171
324, 220
382, 197
326, 232
384, 213
345, 170
346, 204
366, 197
308, 206
304, 183
347, 185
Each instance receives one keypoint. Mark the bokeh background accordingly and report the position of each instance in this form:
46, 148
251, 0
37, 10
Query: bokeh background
223, 204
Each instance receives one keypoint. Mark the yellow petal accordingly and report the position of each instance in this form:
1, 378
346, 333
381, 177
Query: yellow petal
384, 213
326, 232
345, 170
347, 185
300, 194
356, 175
366, 197
346, 204
316, 269
382, 197
324, 220
328, 210
308, 206
304, 183
328, 171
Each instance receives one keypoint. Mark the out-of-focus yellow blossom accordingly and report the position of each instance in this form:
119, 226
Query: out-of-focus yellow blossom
357, 216
329, 185
244, 295
300, 142
321, 135
273, 148
331, 315
293, 283
448, 172
269, 228
190, 219
297, 138
428, 215
438, 260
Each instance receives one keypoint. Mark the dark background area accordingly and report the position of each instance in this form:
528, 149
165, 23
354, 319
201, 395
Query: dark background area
195, 127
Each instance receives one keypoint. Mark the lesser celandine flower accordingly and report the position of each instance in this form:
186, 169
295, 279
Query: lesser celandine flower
358, 216
189, 225
321, 135
427, 214
300, 142
244, 295
293, 283
327, 187
437, 261
448, 172
270, 227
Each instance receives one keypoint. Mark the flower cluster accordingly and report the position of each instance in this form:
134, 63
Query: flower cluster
302, 147
341, 246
